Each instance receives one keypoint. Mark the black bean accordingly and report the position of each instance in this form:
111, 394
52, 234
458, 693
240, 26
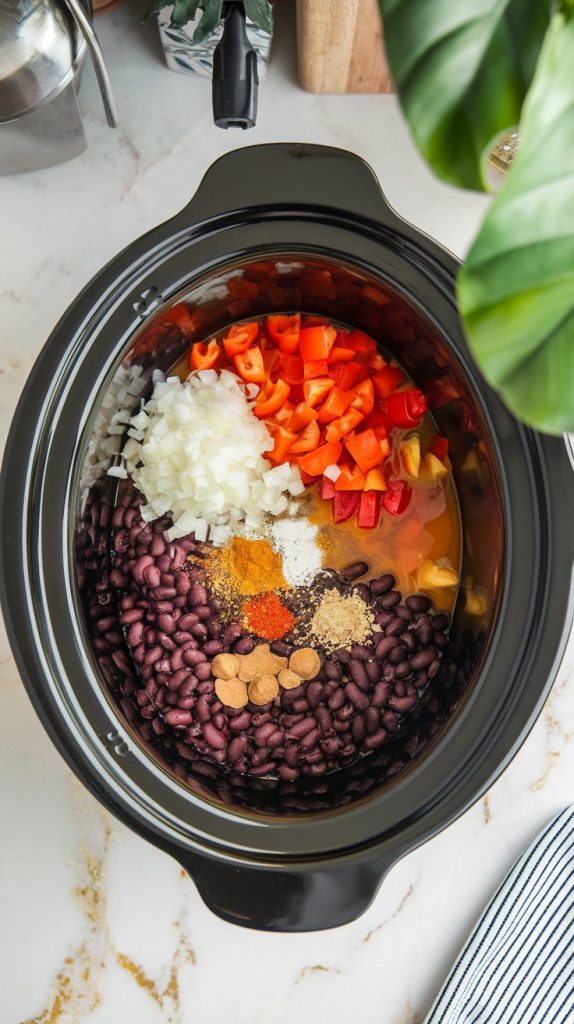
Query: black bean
396, 628
358, 699
373, 670
281, 649
381, 694
389, 600
422, 660
359, 674
359, 728
353, 571
396, 655
360, 651
382, 584
314, 694
244, 645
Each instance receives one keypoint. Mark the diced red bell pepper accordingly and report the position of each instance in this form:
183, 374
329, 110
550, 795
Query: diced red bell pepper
271, 362
365, 397
271, 397
284, 330
375, 480
406, 408
378, 418
369, 510
343, 425
315, 368
315, 391
204, 356
282, 442
302, 415
239, 338
345, 504
351, 478
386, 380
346, 375
365, 449
361, 342
308, 439
335, 404
284, 415
376, 361
439, 447
339, 354
397, 497
315, 463
291, 368
249, 365
326, 488
316, 342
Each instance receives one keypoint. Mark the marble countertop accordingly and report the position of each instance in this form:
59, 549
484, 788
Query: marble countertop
98, 926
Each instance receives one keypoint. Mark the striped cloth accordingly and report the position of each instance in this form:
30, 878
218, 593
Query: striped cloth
518, 965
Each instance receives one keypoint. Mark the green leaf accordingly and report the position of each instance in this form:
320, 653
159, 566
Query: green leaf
260, 13
153, 7
209, 19
184, 11
516, 291
462, 69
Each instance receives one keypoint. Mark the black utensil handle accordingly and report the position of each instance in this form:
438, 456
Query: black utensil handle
280, 175
278, 900
235, 79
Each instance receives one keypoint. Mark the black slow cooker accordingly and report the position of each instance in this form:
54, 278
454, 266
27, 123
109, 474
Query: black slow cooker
263, 853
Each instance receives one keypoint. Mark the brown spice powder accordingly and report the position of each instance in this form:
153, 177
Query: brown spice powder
341, 621
247, 567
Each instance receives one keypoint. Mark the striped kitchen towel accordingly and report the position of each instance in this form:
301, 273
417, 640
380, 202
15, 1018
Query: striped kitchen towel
518, 965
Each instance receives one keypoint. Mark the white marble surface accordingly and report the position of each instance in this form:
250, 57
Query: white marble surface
98, 926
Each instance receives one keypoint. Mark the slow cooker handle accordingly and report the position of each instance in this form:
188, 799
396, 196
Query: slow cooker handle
282, 900
282, 175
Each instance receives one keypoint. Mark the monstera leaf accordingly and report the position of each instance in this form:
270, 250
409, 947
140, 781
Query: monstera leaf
462, 69
516, 292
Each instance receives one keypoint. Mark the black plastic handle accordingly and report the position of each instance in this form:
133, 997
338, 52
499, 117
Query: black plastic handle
291, 174
235, 79
280, 900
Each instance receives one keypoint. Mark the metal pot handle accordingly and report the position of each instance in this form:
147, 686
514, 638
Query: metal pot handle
281, 175
85, 26
281, 900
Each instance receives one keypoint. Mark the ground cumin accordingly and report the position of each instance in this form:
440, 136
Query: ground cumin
341, 621
247, 567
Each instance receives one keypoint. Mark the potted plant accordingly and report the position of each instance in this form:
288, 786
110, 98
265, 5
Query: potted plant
465, 74
191, 29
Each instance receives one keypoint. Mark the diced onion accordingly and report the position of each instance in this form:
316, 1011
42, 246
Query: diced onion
332, 472
196, 450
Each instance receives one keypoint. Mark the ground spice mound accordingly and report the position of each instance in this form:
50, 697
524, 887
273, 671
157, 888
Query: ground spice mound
341, 621
247, 567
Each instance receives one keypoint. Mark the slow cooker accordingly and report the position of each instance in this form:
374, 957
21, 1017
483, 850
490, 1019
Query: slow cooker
266, 854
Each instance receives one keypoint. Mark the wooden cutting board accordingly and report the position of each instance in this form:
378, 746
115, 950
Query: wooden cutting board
340, 47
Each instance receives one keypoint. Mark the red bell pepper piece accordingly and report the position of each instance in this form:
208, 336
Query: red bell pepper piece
271, 397
439, 447
315, 391
303, 414
406, 408
315, 368
365, 397
308, 439
369, 510
291, 368
315, 463
396, 499
204, 356
361, 342
326, 488
343, 425
249, 365
346, 375
282, 442
386, 380
284, 330
271, 362
239, 338
335, 404
365, 449
351, 478
316, 342
339, 354
345, 504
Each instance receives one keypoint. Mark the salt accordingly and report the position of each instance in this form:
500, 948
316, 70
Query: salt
296, 540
